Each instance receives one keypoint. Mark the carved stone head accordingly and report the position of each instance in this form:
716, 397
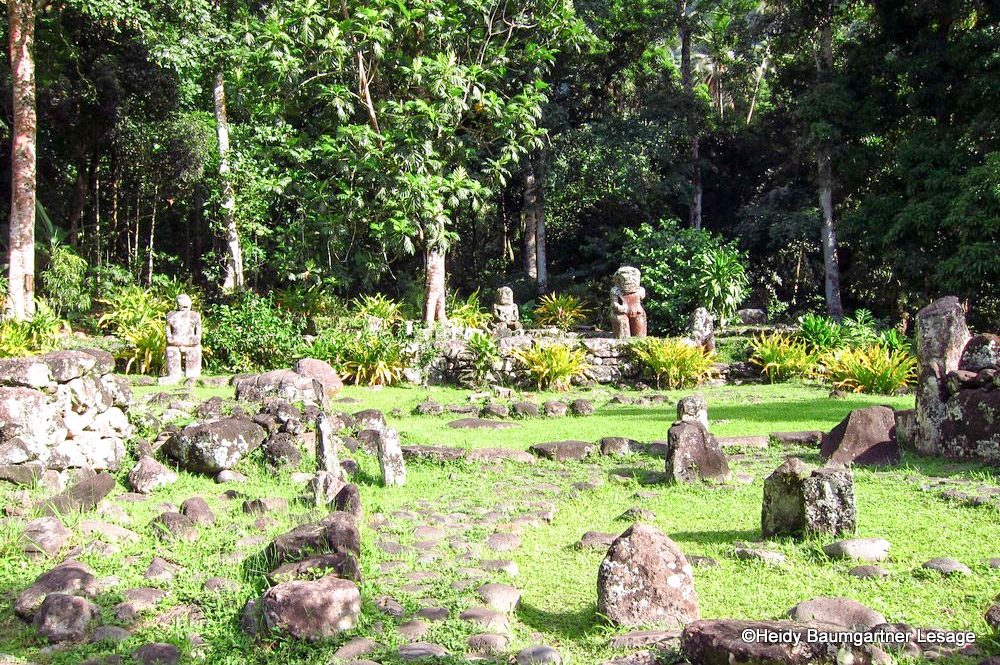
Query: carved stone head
505, 296
184, 302
627, 279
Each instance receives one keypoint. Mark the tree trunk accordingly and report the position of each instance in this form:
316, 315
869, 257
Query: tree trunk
152, 238
234, 252
20, 303
694, 161
540, 245
79, 200
529, 211
824, 164
434, 293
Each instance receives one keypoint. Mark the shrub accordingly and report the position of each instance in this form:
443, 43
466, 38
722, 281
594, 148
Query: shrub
65, 280
674, 363
722, 282
781, 357
380, 307
870, 369
250, 334
468, 313
484, 354
552, 366
560, 310
682, 268
373, 359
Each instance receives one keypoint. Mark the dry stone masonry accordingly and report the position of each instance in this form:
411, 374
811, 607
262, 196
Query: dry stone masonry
62, 410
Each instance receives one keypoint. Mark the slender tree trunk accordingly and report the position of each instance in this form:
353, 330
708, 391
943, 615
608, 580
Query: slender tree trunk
78, 201
234, 252
152, 238
529, 211
694, 160
116, 183
541, 248
824, 164
21, 260
434, 293
97, 216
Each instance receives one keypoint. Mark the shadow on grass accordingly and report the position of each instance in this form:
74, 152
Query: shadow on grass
640, 475
715, 537
569, 625
769, 411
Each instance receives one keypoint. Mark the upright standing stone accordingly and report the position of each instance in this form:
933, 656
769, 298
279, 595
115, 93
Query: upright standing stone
645, 579
327, 442
390, 458
183, 335
941, 337
799, 501
628, 318
694, 455
506, 315
702, 329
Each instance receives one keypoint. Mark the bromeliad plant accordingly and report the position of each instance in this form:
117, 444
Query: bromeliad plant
782, 357
674, 363
870, 369
379, 307
552, 366
560, 310
373, 359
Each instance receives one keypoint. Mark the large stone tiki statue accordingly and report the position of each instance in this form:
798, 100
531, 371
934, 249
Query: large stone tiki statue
628, 318
183, 343
506, 314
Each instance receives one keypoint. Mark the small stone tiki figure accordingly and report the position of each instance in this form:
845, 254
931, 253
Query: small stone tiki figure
506, 315
183, 342
628, 318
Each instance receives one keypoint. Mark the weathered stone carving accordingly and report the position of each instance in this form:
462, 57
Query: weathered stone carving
702, 329
183, 343
506, 314
628, 318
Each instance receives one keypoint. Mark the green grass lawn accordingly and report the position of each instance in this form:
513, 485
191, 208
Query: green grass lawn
557, 580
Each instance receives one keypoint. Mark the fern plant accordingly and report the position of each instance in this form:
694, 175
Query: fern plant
553, 366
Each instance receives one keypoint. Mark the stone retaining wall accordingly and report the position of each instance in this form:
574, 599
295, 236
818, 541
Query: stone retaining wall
61, 410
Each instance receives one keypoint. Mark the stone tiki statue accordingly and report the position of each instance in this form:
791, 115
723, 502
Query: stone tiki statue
628, 318
506, 315
183, 343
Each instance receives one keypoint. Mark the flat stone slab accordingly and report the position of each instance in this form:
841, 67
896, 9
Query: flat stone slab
864, 549
499, 455
803, 438
744, 441
481, 423
564, 450
436, 453
419, 651
947, 566
643, 638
